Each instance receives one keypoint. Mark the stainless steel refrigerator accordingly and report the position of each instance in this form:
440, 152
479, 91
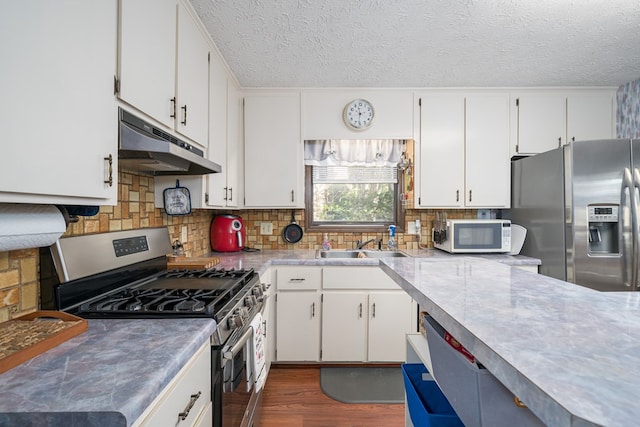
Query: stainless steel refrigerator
580, 206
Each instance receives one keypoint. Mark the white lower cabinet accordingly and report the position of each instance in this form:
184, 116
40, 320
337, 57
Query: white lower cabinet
269, 319
365, 326
390, 314
298, 314
344, 326
341, 314
186, 401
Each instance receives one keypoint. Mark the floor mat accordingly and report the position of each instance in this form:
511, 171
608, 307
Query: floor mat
363, 384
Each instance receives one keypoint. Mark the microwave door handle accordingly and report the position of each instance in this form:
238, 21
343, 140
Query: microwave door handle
635, 222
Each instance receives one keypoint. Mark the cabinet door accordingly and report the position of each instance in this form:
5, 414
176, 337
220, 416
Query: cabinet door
541, 120
487, 167
441, 150
590, 116
234, 145
58, 108
273, 151
389, 322
219, 103
192, 79
148, 56
344, 326
298, 326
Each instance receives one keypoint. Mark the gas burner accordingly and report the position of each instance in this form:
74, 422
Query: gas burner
208, 273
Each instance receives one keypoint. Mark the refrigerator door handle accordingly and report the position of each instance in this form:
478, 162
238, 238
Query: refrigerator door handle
626, 201
635, 221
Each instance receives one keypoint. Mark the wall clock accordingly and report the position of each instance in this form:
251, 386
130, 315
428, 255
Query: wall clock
358, 114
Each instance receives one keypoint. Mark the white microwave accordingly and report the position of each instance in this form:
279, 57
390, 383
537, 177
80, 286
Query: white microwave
473, 236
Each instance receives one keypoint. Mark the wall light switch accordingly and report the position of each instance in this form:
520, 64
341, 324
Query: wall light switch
266, 228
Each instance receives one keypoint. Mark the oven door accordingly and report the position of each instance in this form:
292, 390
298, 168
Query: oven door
241, 368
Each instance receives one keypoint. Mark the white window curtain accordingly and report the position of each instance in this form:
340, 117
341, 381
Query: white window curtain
354, 152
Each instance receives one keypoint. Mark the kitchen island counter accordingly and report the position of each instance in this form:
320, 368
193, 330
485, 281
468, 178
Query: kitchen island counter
570, 353
106, 376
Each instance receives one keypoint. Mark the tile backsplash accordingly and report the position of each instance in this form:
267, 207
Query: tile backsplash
135, 209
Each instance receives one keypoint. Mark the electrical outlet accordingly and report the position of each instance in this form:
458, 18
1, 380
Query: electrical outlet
183, 234
411, 227
266, 228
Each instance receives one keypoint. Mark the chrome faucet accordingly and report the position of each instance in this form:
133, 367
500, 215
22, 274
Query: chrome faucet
362, 245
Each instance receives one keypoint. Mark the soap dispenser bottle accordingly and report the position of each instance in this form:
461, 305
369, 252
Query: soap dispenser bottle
392, 237
326, 243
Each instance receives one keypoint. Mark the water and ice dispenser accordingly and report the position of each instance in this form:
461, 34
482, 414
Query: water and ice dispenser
603, 223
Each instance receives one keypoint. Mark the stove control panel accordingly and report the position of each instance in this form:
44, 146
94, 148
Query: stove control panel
131, 245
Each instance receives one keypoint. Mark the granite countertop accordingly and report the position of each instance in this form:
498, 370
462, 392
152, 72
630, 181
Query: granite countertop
262, 260
106, 376
572, 354
110, 374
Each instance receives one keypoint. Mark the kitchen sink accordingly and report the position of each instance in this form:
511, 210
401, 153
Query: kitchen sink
359, 254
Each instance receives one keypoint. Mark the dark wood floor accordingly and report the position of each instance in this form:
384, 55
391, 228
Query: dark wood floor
292, 398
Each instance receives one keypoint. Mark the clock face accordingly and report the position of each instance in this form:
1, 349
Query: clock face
358, 114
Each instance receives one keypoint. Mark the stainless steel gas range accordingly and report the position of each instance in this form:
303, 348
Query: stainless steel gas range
123, 275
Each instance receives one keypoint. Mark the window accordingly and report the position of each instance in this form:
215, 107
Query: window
353, 185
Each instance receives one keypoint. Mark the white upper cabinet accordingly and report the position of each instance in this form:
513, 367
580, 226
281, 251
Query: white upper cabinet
273, 151
464, 150
541, 122
148, 57
322, 114
441, 150
58, 105
164, 65
192, 79
546, 119
591, 115
487, 166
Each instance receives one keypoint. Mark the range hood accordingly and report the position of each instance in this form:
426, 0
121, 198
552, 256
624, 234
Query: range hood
146, 148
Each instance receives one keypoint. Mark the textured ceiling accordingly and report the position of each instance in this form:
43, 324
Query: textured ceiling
426, 43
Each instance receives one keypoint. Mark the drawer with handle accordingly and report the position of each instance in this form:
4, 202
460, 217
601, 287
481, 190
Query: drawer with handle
299, 278
186, 396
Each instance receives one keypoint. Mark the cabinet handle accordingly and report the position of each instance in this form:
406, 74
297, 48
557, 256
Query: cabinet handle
184, 108
292, 198
226, 190
313, 309
264, 328
560, 142
518, 402
231, 194
184, 414
360, 312
457, 195
109, 180
374, 310
173, 108
469, 195
294, 279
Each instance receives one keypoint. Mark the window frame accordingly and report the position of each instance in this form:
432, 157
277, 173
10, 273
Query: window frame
347, 226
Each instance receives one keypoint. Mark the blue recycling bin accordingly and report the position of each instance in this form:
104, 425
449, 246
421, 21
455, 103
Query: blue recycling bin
428, 407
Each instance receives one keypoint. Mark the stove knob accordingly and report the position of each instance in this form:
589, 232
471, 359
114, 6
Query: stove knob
257, 291
250, 301
243, 312
234, 322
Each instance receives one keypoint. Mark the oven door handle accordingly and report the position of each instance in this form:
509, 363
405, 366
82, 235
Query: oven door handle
233, 351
